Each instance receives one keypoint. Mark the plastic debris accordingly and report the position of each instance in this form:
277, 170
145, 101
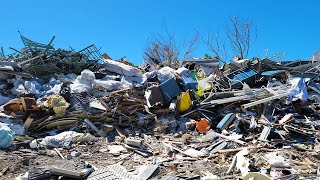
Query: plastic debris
65, 139
185, 119
6, 136
122, 69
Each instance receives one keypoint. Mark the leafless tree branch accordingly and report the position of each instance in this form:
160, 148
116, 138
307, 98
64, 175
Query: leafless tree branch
164, 48
192, 44
241, 35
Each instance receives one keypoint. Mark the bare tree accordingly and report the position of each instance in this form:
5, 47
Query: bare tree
163, 48
241, 35
238, 37
192, 45
217, 46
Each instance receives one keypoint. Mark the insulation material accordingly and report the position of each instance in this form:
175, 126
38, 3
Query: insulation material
122, 69
58, 104
298, 90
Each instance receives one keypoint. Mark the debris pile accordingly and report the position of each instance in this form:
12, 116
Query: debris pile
82, 115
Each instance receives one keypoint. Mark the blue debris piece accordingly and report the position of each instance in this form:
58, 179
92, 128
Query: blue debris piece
188, 83
226, 121
169, 89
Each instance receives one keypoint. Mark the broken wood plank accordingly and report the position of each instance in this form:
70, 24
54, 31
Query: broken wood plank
264, 100
230, 138
58, 152
14, 73
30, 60
118, 91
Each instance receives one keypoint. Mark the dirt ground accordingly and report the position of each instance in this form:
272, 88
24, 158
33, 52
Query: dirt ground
21, 158
18, 161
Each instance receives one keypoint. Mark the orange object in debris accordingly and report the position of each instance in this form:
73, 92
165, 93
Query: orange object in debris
203, 125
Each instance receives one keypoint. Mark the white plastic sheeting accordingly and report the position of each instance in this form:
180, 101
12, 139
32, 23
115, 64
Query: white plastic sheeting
112, 85
87, 77
298, 90
36, 87
163, 74
32, 87
111, 77
18, 89
84, 82
55, 89
122, 69
182, 71
78, 88
65, 139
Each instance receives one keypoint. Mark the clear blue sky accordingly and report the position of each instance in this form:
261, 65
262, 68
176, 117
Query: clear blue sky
122, 27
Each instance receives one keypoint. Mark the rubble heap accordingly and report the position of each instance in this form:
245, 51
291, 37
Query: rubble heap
82, 115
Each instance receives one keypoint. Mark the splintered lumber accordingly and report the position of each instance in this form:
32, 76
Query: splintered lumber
119, 91
14, 73
58, 152
227, 100
230, 138
30, 60
60, 123
261, 101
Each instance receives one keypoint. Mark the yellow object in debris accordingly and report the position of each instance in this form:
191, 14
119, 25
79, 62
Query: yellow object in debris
58, 104
203, 85
184, 102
